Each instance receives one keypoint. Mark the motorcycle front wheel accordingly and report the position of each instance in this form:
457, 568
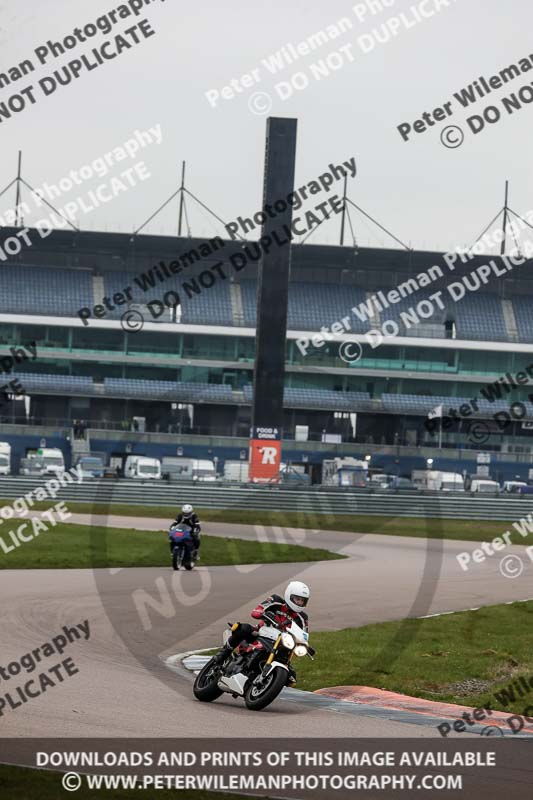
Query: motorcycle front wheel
259, 696
205, 686
175, 558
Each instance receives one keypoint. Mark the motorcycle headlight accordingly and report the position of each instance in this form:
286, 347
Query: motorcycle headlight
300, 650
287, 641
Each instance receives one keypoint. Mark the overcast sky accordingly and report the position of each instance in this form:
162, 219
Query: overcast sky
428, 195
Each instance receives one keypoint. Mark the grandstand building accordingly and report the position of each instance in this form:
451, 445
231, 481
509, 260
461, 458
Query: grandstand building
188, 372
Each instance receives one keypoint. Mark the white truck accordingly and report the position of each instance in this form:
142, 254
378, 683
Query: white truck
381, 481
237, 471
445, 481
143, 468
91, 466
5, 458
344, 472
513, 487
50, 460
484, 486
188, 469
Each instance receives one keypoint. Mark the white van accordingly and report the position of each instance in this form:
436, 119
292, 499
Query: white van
142, 467
5, 458
203, 470
177, 468
484, 486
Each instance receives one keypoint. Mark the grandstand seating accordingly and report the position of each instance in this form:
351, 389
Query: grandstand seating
59, 291
320, 398
294, 397
44, 290
249, 302
168, 390
480, 316
311, 305
395, 310
117, 281
125, 387
522, 307
57, 384
207, 307
321, 292
324, 398
477, 316
423, 404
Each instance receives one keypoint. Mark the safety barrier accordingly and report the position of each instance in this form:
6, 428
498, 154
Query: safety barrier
272, 498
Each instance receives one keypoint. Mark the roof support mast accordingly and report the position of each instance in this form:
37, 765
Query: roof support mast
181, 197
505, 214
507, 211
343, 218
18, 219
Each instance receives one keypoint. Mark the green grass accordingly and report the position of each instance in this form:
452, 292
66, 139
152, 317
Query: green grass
430, 658
457, 529
17, 783
70, 546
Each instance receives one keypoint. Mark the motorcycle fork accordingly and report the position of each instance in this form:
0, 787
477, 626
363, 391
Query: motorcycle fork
292, 671
272, 655
270, 659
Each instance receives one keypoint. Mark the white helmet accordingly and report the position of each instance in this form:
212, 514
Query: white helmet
187, 510
297, 595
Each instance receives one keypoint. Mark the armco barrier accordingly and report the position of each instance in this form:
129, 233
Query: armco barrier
170, 496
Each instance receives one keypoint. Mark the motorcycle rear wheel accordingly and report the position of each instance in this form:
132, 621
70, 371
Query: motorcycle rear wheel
205, 687
258, 698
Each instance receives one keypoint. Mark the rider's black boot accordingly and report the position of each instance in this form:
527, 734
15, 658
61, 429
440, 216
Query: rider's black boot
222, 654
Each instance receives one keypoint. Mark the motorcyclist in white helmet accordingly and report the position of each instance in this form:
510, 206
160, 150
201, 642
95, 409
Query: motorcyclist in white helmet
188, 517
275, 610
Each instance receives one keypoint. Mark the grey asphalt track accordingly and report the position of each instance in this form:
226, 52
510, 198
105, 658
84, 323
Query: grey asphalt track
383, 578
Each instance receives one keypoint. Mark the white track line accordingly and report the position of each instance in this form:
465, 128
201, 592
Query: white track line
477, 608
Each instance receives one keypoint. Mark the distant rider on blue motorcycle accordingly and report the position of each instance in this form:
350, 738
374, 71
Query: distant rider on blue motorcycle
188, 517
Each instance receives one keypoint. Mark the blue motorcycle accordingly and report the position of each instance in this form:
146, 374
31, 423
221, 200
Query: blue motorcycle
183, 550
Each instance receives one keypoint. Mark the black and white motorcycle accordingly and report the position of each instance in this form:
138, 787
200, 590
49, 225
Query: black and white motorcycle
256, 671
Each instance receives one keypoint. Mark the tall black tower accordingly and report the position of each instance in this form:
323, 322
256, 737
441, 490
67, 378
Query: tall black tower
272, 296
